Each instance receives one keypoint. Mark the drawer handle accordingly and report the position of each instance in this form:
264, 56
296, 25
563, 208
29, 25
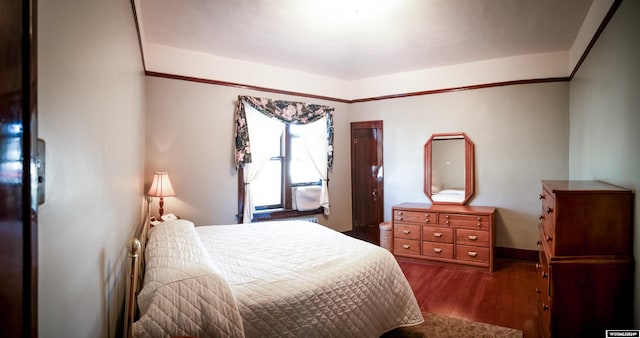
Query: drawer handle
544, 274
472, 253
538, 266
406, 246
472, 238
437, 234
538, 242
549, 238
437, 250
542, 196
406, 231
545, 307
541, 217
549, 210
537, 290
400, 218
401, 213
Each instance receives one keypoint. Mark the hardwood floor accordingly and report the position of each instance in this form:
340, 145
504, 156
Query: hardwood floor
505, 297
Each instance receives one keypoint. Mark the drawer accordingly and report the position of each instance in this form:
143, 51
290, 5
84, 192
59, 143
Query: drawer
465, 220
415, 216
546, 239
472, 254
434, 234
472, 237
406, 246
547, 224
548, 204
441, 250
406, 231
543, 278
544, 295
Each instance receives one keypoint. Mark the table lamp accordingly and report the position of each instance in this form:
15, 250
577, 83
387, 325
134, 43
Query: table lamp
161, 187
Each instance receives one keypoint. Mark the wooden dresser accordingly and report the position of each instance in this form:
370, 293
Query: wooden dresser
445, 233
585, 279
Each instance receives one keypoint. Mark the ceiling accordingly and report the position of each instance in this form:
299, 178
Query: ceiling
356, 39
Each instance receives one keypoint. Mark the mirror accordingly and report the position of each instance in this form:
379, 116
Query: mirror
449, 168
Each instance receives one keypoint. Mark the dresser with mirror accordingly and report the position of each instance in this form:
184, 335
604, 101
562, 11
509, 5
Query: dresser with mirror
446, 230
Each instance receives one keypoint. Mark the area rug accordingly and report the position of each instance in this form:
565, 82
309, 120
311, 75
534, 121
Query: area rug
438, 326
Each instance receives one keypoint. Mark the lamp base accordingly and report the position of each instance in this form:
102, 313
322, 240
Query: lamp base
161, 209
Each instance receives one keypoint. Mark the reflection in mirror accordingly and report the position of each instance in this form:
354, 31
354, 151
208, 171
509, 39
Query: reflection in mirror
448, 168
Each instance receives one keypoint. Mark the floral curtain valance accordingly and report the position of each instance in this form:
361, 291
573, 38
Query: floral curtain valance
285, 111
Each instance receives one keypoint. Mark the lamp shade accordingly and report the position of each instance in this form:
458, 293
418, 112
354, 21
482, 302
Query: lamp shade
161, 185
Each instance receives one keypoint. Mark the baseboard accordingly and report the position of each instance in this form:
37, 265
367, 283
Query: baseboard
517, 254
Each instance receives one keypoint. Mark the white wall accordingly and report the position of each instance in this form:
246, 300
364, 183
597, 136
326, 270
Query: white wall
170, 60
605, 114
91, 114
521, 136
190, 134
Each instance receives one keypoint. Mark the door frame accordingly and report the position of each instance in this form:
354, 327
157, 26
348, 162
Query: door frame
18, 209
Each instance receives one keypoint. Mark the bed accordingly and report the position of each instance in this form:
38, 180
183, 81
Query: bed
269, 279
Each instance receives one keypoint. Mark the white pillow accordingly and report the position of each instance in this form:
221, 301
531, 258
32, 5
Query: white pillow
174, 251
177, 223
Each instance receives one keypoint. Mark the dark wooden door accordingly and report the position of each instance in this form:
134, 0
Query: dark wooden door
367, 179
18, 217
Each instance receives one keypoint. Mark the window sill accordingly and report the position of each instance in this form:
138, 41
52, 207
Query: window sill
281, 213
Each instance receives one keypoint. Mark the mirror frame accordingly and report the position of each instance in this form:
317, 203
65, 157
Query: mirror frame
469, 187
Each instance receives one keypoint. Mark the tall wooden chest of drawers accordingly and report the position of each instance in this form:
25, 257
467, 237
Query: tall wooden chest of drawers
585, 279
445, 233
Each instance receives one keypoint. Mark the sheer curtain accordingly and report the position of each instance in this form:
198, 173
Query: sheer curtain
267, 117
263, 139
316, 145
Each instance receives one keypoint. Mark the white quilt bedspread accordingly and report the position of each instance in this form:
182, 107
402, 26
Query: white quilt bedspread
271, 279
300, 279
182, 293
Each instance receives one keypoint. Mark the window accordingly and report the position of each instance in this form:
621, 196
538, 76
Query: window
284, 151
288, 167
